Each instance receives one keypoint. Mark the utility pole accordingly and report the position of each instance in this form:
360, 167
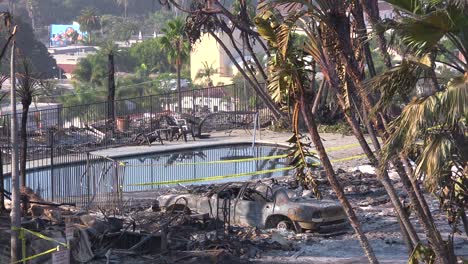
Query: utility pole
15, 184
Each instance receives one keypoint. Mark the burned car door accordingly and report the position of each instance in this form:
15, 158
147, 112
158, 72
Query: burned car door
249, 207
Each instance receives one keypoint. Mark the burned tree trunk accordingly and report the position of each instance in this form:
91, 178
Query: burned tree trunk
111, 88
26, 102
334, 182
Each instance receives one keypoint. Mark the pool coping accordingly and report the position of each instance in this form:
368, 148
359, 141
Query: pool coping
156, 149
131, 151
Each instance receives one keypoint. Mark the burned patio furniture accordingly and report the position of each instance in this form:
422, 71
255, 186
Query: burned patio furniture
178, 128
155, 135
149, 138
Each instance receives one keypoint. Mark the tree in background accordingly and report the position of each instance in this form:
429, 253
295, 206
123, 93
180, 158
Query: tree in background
89, 21
32, 8
123, 3
214, 18
118, 28
31, 48
156, 21
206, 73
92, 70
175, 43
151, 53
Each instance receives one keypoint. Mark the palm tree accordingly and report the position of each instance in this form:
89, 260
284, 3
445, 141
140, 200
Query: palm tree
325, 56
438, 119
206, 73
123, 3
28, 86
335, 22
287, 83
89, 21
177, 47
32, 7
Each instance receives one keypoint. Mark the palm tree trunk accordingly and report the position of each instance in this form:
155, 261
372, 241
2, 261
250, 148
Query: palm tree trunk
429, 227
111, 88
434, 237
370, 129
179, 95
318, 97
362, 36
337, 188
371, 8
23, 143
417, 188
409, 234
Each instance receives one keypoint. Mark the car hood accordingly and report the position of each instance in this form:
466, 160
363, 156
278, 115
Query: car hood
315, 202
327, 208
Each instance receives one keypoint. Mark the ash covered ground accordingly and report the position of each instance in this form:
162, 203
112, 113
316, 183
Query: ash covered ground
115, 236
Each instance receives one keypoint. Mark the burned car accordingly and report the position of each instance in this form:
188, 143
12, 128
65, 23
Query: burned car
256, 204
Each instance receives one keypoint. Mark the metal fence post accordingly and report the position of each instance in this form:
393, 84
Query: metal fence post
52, 181
151, 113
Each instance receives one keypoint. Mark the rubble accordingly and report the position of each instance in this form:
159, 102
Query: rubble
142, 233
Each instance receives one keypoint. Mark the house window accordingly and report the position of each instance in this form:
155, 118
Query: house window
215, 108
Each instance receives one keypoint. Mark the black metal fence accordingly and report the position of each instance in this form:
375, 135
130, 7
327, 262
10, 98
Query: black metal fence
59, 136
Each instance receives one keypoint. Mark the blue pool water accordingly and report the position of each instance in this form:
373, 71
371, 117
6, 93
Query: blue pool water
155, 170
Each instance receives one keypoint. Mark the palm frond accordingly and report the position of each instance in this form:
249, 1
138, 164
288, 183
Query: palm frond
434, 162
443, 111
408, 6
400, 81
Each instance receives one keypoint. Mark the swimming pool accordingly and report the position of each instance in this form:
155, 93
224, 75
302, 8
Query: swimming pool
204, 165
155, 170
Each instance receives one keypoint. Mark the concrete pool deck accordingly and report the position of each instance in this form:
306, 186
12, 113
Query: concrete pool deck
338, 146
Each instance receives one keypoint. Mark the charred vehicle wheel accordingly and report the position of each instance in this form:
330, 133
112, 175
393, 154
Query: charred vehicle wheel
178, 208
284, 225
279, 222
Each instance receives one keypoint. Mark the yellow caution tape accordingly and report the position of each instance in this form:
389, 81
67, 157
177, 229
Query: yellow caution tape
40, 236
39, 255
228, 161
207, 162
349, 158
23, 239
213, 178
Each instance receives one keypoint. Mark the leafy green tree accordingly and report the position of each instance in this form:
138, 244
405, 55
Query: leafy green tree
92, 70
89, 21
177, 46
151, 53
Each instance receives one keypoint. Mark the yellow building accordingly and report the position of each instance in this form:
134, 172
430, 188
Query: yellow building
207, 50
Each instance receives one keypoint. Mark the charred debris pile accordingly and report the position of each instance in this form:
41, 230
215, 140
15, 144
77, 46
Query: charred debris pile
141, 231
